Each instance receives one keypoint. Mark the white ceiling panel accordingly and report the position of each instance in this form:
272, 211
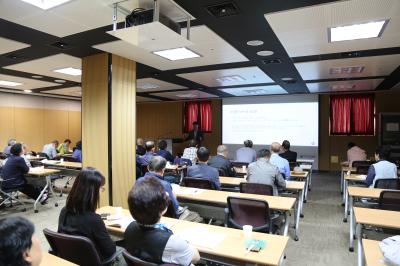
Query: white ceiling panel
72, 91
228, 77
146, 99
7, 45
256, 90
151, 84
370, 66
46, 65
185, 95
344, 86
27, 84
212, 49
305, 31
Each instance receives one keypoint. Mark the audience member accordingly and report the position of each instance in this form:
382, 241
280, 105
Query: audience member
146, 158
6, 150
221, 162
263, 172
77, 154
286, 153
191, 151
278, 161
50, 149
162, 146
147, 238
355, 153
140, 149
24, 153
382, 168
196, 134
63, 148
202, 170
246, 154
18, 244
78, 217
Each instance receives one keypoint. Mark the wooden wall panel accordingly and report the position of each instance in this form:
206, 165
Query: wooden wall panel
29, 127
55, 125
7, 125
123, 128
74, 126
95, 116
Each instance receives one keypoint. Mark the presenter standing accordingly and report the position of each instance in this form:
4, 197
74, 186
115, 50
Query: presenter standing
196, 134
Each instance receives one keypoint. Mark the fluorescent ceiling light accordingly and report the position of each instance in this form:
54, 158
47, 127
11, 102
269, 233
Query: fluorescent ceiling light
45, 4
28, 91
233, 78
357, 31
69, 71
187, 95
9, 83
177, 54
147, 86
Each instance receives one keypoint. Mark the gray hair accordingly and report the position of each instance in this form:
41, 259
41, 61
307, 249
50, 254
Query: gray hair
11, 142
221, 149
149, 145
157, 164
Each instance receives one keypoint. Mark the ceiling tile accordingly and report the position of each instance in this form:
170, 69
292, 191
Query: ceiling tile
344, 86
7, 45
146, 99
256, 90
72, 91
27, 84
184, 95
228, 77
151, 84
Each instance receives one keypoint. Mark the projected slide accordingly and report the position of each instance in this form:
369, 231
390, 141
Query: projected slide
264, 123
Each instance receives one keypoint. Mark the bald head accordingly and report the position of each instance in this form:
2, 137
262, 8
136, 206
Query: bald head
275, 147
139, 142
222, 150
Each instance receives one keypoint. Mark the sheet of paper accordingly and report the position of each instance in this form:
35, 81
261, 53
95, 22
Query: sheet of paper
200, 236
185, 190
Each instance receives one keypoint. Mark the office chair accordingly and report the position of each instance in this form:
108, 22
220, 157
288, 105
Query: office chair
197, 182
222, 172
9, 195
389, 200
3, 156
244, 211
388, 183
42, 154
358, 163
135, 261
362, 169
292, 165
254, 188
77, 249
239, 164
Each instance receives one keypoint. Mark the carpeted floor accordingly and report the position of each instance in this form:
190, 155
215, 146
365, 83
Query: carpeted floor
323, 235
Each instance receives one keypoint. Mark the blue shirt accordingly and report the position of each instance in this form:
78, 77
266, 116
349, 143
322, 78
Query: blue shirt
77, 155
204, 171
146, 158
166, 154
282, 164
246, 155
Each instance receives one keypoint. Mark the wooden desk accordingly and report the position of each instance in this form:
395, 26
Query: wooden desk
350, 178
373, 217
304, 160
345, 169
51, 260
59, 164
373, 253
231, 246
34, 158
303, 176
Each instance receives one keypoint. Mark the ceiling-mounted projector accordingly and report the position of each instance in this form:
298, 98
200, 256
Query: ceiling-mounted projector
140, 16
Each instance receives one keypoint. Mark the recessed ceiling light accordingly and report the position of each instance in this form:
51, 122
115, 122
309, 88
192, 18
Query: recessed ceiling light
69, 71
177, 54
45, 4
147, 86
357, 31
233, 78
28, 91
59, 80
255, 43
346, 70
343, 87
265, 53
187, 95
37, 77
288, 80
9, 83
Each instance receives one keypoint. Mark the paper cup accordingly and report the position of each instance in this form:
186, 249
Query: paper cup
244, 168
247, 231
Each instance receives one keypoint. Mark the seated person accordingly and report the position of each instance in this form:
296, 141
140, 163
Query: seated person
7, 149
77, 154
286, 153
147, 238
220, 161
190, 152
263, 172
246, 154
202, 170
50, 149
278, 161
162, 146
140, 149
382, 168
150, 148
355, 153
14, 171
78, 217
18, 243
24, 153
63, 148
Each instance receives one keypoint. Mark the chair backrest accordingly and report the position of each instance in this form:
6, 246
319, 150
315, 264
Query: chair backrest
387, 183
182, 161
36, 163
69, 159
222, 172
144, 169
362, 169
3, 156
135, 261
42, 154
255, 188
358, 163
248, 211
239, 164
292, 165
197, 182
77, 249
389, 200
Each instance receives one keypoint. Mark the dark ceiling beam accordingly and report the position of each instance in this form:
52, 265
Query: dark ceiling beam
391, 81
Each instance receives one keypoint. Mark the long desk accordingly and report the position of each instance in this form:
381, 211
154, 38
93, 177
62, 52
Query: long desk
231, 246
303, 176
303, 165
344, 171
373, 217
347, 179
219, 199
51, 260
59, 164
373, 253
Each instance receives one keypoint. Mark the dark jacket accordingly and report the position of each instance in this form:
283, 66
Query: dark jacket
207, 172
166, 155
220, 162
14, 171
199, 136
140, 150
289, 155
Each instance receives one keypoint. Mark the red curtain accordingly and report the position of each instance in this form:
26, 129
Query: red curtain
200, 112
205, 116
191, 115
340, 114
362, 114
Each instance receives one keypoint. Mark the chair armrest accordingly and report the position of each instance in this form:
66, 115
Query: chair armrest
113, 257
226, 212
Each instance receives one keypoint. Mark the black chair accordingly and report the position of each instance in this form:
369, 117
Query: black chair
77, 249
42, 154
36, 163
244, 211
3, 156
69, 159
359, 163
388, 183
197, 182
239, 164
222, 172
254, 188
9, 195
135, 261
389, 200
292, 165
362, 169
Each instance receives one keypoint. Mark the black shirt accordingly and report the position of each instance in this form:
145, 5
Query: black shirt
140, 150
14, 171
289, 155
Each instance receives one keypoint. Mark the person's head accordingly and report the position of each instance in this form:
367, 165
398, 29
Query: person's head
24, 148
16, 149
195, 125
67, 142
382, 153
286, 145
139, 142
203, 154
55, 143
263, 154
157, 165
351, 145
78, 145
150, 146
11, 142
148, 201
85, 192
222, 150
18, 244
275, 147
248, 143
192, 143
162, 145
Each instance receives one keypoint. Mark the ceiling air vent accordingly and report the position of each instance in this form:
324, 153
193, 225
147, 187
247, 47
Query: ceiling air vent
223, 9
346, 70
343, 87
61, 45
271, 61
